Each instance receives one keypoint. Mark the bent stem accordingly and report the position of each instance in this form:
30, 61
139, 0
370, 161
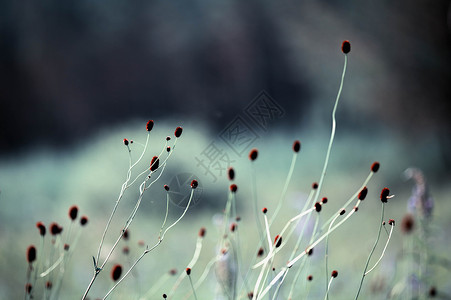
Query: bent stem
371, 253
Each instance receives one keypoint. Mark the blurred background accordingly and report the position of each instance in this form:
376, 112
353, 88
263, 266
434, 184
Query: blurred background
76, 77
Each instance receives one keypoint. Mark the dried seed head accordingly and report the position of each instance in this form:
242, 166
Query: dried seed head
375, 166
125, 142
66, 247
318, 206
309, 251
342, 212
31, 254
384, 194
315, 185
188, 271
346, 47
260, 252
324, 200
166, 187
83, 220
116, 272
356, 208
28, 288
310, 277
433, 291
278, 241
55, 229
264, 210
407, 224
48, 285
231, 173
334, 273
154, 163
126, 235
233, 227
253, 154
296, 146
73, 212
194, 184
149, 125
178, 132
363, 193
391, 222
168, 149
233, 188
165, 296
250, 295
41, 228
202, 232
238, 218
168, 138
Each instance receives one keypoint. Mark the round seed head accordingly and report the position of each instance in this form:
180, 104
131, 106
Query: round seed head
315, 185
253, 154
296, 146
28, 288
324, 200
384, 194
202, 232
433, 291
334, 273
194, 184
375, 166
310, 277
149, 125
342, 212
165, 296
363, 193
168, 138
318, 206
66, 247
231, 173
126, 235
346, 47
83, 220
73, 212
168, 149
188, 271
278, 241
166, 187
407, 224
55, 229
116, 272
154, 163
178, 132
264, 210
391, 222
48, 285
41, 228
309, 251
31, 254
233, 227
125, 142
233, 188
356, 208
260, 252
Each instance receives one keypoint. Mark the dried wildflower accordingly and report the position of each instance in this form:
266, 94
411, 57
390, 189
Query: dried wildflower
126, 235
66, 247
334, 273
166, 187
346, 47
41, 228
310, 277
278, 241
125, 142
324, 200
231, 173
202, 232
28, 288
315, 185
296, 146
178, 132
116, 272
391, 222
318, 206
31, 254
253, 154
154, 163
233, 227
149, 125
375, 166
48, 285
194, 184
188, 271
83, 220
407, 224
260, 252
264, 210
384, 195
342, 212
363, 193
73, 212
55, 229
168, 138
233, 188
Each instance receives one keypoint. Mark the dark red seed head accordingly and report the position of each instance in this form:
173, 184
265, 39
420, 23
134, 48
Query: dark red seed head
31, 254
41, 228
165, 296
296, 146
433, 291
278, 241
188, 271
166, 187
334, 273
363, 193
384, 194
253, 154
202, 232
178, 132
168, 138
172, 272
231, 173
233, 227
233, 188
48, 285
154, 163
73, 212
194, 184
356, 208
149, 125
260, 252
28, 288
66, 247
375, 166
310, 277
315, 185
342, 212
55, 229
407, 224
346, 47
391, 222
324, 200
126, 235
125, 142
264, 210
318, 206
116, 272
83, 220
168, 149
309, 251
